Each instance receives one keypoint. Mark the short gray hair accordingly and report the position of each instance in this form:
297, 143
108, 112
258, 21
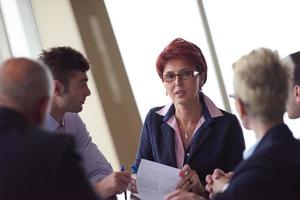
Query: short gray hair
25, 89
262, 83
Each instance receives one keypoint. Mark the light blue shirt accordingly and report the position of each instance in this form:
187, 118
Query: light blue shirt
247, 153
93, 161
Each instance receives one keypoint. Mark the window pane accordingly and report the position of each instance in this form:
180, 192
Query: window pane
240, 26
14, 28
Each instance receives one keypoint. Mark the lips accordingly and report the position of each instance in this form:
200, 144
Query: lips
180, 92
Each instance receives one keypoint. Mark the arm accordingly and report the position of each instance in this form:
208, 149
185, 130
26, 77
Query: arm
106, 182
235, 146
144, 151
251, 181
113, 184
94, 163
69, 177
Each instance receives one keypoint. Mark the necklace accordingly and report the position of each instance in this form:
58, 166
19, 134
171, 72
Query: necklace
186, 128
186, 132
186, 135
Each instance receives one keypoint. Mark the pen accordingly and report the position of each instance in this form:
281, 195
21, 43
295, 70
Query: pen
134, 168
122, 170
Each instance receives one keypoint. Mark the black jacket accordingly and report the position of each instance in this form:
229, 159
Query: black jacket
271, 172
36, 165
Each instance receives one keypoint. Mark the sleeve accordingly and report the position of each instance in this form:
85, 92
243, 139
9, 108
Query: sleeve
145, 150
94, 163
235, 146
249, 184
69, 178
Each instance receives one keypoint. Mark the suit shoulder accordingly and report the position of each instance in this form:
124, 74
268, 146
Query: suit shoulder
228, 114
53, 141
154, 112
228, 117
155, 109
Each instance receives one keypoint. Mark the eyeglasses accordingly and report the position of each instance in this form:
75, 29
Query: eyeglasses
183, 75
232, 96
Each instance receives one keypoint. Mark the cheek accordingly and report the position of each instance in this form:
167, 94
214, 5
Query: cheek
168, 87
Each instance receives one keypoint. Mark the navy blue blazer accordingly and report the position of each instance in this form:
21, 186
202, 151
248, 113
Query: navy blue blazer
218, 143
271, 172
35, 165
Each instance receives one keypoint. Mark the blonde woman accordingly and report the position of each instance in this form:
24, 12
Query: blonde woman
270, 169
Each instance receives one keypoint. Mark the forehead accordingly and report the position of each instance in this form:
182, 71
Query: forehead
177, 65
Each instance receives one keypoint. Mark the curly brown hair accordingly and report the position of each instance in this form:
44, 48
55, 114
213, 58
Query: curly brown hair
63, 61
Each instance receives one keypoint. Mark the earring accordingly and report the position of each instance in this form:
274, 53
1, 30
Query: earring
166, 93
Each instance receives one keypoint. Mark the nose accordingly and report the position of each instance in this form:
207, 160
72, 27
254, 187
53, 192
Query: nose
178, 80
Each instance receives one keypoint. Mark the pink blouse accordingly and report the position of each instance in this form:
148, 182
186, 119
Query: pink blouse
179, 149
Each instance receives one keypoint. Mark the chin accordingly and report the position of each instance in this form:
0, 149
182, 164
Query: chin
76, 110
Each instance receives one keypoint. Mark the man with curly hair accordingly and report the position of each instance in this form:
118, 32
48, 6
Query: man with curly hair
69, 68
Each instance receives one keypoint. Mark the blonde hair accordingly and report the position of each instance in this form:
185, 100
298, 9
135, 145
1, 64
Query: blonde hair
262, 83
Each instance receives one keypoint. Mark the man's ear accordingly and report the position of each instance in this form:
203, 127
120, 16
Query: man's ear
58, 88
240, 106
296, 91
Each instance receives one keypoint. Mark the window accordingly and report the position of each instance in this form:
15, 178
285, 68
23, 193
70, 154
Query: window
143, 28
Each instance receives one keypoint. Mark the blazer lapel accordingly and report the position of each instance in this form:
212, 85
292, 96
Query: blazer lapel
199, 138
169, 141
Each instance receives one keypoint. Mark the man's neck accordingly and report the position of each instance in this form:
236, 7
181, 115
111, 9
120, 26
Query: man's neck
57, 113
261, 128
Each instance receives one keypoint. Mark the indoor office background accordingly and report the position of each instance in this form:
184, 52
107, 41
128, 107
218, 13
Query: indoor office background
122, 40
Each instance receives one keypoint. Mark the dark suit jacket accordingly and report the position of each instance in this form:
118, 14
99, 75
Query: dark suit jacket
271, 172
218, 143
35, 165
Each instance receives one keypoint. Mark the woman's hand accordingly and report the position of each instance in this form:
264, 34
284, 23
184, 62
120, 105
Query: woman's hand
183, 195
190, 181
132, 185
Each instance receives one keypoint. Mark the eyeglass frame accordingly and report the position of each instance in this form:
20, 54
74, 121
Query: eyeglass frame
179, 74
232, 96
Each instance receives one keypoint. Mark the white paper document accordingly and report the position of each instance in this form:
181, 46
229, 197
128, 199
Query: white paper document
154, 180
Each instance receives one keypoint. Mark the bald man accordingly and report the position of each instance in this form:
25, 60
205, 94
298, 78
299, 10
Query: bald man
34, 164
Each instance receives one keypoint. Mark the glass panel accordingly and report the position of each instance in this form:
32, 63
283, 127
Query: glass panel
240, 26
14, 27
5, 51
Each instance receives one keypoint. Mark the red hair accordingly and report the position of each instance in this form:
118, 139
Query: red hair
182, 49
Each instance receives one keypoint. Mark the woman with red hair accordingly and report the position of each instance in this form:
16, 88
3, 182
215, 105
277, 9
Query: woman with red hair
191, 133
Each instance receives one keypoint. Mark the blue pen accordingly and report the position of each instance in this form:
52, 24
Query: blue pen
134, 168
122, 170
